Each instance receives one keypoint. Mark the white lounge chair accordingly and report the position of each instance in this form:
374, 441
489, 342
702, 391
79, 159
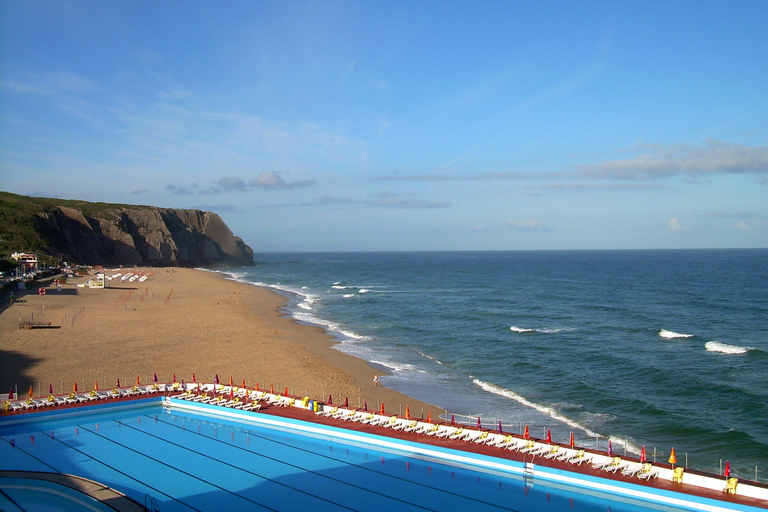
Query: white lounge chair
648, 472
580, 458
553, 452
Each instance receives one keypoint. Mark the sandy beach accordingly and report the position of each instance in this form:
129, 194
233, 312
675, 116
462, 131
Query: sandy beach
180, 321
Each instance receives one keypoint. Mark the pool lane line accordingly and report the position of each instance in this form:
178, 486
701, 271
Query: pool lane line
81, 452
287, 445
119, 422
183, 447
25, 452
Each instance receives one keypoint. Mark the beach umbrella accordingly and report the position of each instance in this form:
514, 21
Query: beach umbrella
118, 382
272, 389
500, 431
642, 454
346, 401
95, 386
231, 380
526, 433
478, 422
727, 471
365, 406
572, 440
74, 387
30, 391
330, 400
243, 386
183, 386
10, 394
429, 416
672, 457
381, 409
231, 392
194, 378
50, 389
407, 412
610, 449
257, 385
549, 436
286, 391
154, 377
138, 381
174, 377
215, 378
453, 420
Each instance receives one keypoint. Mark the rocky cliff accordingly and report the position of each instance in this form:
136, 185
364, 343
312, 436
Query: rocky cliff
97, 233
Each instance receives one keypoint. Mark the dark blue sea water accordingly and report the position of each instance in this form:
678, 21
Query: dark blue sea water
667, 349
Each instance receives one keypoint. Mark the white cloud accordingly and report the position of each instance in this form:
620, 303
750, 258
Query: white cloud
528, 225
675, 225
268, 180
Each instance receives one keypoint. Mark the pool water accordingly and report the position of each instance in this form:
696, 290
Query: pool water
185, 461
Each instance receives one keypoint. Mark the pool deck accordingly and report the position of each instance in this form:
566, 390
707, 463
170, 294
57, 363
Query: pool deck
106, 495
303, 414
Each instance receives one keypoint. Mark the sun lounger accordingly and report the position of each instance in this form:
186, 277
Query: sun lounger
552, 453
406, 426
539, 450
505, 442
11, 406
565, 454
428, 429
413, 427
343, 414
458, 434
482, 438
580, 458
632, 469
472, 435
250, 406
529, 446
609, 464
648, 472
447, 432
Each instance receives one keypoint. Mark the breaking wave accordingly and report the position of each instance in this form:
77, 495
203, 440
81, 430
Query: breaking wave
724, 348
673, 335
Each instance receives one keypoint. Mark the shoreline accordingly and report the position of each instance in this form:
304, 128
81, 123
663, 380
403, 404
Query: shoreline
184, 322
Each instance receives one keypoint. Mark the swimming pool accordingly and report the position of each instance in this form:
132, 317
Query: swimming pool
184, 460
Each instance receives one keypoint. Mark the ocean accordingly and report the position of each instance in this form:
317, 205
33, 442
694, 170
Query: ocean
659, 348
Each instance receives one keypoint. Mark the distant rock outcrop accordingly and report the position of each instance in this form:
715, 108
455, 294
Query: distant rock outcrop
97, 233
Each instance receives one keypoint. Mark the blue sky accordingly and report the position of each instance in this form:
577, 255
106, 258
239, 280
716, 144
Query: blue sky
317, 126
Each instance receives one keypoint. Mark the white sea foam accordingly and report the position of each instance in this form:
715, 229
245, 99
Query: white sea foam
673, 335
363, 290
724, 348
340, 287
549, 411
553, 330
520, 329
432, 358
348, 295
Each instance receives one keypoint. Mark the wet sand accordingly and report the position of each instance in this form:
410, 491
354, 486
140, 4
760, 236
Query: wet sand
180, 321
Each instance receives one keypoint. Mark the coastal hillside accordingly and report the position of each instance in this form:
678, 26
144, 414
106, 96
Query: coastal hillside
86, 233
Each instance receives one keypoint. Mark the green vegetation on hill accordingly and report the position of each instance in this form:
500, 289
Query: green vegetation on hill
20, 223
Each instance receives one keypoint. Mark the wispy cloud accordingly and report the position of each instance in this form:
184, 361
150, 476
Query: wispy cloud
661, 161
528, 225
